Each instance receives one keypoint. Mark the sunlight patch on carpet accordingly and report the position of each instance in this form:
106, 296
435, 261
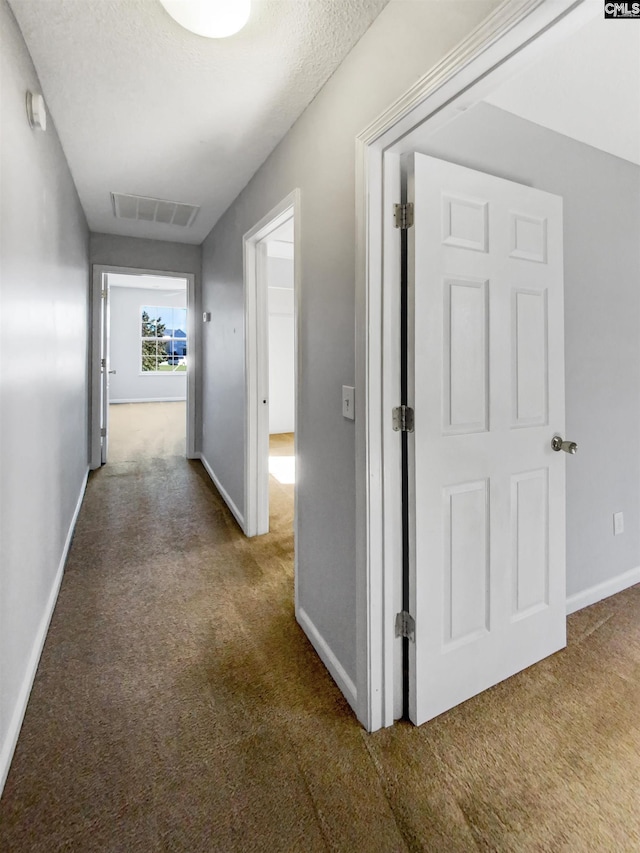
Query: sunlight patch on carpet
283, 468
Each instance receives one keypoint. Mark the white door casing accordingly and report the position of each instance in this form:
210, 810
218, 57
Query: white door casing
105, 366
256, 506
486, 381
512, 36
99, 275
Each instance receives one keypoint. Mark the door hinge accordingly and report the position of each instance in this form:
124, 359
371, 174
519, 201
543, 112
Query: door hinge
403, 215
103, 432
406, 626
103, 363
402, 419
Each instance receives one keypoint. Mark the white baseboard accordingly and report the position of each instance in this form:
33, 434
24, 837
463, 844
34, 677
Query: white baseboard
603, 590
239, 517
148, 400
8, 747
328, 658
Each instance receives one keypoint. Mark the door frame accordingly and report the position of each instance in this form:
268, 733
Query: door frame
98, 271
512, 36
256, 318
105, 365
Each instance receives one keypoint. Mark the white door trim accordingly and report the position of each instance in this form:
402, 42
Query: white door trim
97, 272
513, 35
256, 508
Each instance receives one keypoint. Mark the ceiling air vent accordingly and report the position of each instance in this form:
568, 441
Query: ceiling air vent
153, 210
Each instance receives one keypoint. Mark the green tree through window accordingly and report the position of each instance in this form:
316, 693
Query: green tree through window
163, 339
152, 329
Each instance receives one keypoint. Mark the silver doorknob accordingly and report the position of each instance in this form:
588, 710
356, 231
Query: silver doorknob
557, 443
112, 371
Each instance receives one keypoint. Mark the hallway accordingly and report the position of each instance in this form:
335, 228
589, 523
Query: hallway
161, 710
178, 707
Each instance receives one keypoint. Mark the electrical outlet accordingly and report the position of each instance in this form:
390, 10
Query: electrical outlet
618, 523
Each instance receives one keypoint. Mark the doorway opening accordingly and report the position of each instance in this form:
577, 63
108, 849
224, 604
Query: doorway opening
143, 401
279, 280
459, 93
271, 336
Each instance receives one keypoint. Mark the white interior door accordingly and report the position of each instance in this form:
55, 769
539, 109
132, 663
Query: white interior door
262, 343
486, 381
105, 370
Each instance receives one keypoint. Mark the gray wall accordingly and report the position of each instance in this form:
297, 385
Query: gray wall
602, 321
317, 155
129, 383
44, 278
162, 255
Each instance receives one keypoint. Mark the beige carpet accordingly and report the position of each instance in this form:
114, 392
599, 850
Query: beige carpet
281, 494
146, 431
178, 707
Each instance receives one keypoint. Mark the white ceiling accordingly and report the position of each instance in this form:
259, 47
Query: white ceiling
284, 233
587, 87
280, 242
147, 282
145, 107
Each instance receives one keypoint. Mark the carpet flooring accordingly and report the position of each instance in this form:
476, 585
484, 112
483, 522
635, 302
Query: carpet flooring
179, 707
146, 431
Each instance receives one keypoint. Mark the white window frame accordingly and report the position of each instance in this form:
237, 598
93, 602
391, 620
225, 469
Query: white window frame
165, 338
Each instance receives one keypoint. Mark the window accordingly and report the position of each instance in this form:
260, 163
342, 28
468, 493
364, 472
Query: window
163, 339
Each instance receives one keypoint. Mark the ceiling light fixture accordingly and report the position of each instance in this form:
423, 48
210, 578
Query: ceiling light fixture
214, 19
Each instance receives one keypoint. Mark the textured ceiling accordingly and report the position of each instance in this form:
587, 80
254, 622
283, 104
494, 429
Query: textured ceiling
144, 107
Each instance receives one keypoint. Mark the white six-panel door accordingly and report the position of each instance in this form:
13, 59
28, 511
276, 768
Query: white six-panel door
486, 381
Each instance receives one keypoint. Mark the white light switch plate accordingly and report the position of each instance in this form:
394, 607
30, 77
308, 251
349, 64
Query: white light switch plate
348, 402
618, 523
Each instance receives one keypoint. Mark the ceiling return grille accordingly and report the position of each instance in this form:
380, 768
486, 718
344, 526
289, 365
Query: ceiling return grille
145, 209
